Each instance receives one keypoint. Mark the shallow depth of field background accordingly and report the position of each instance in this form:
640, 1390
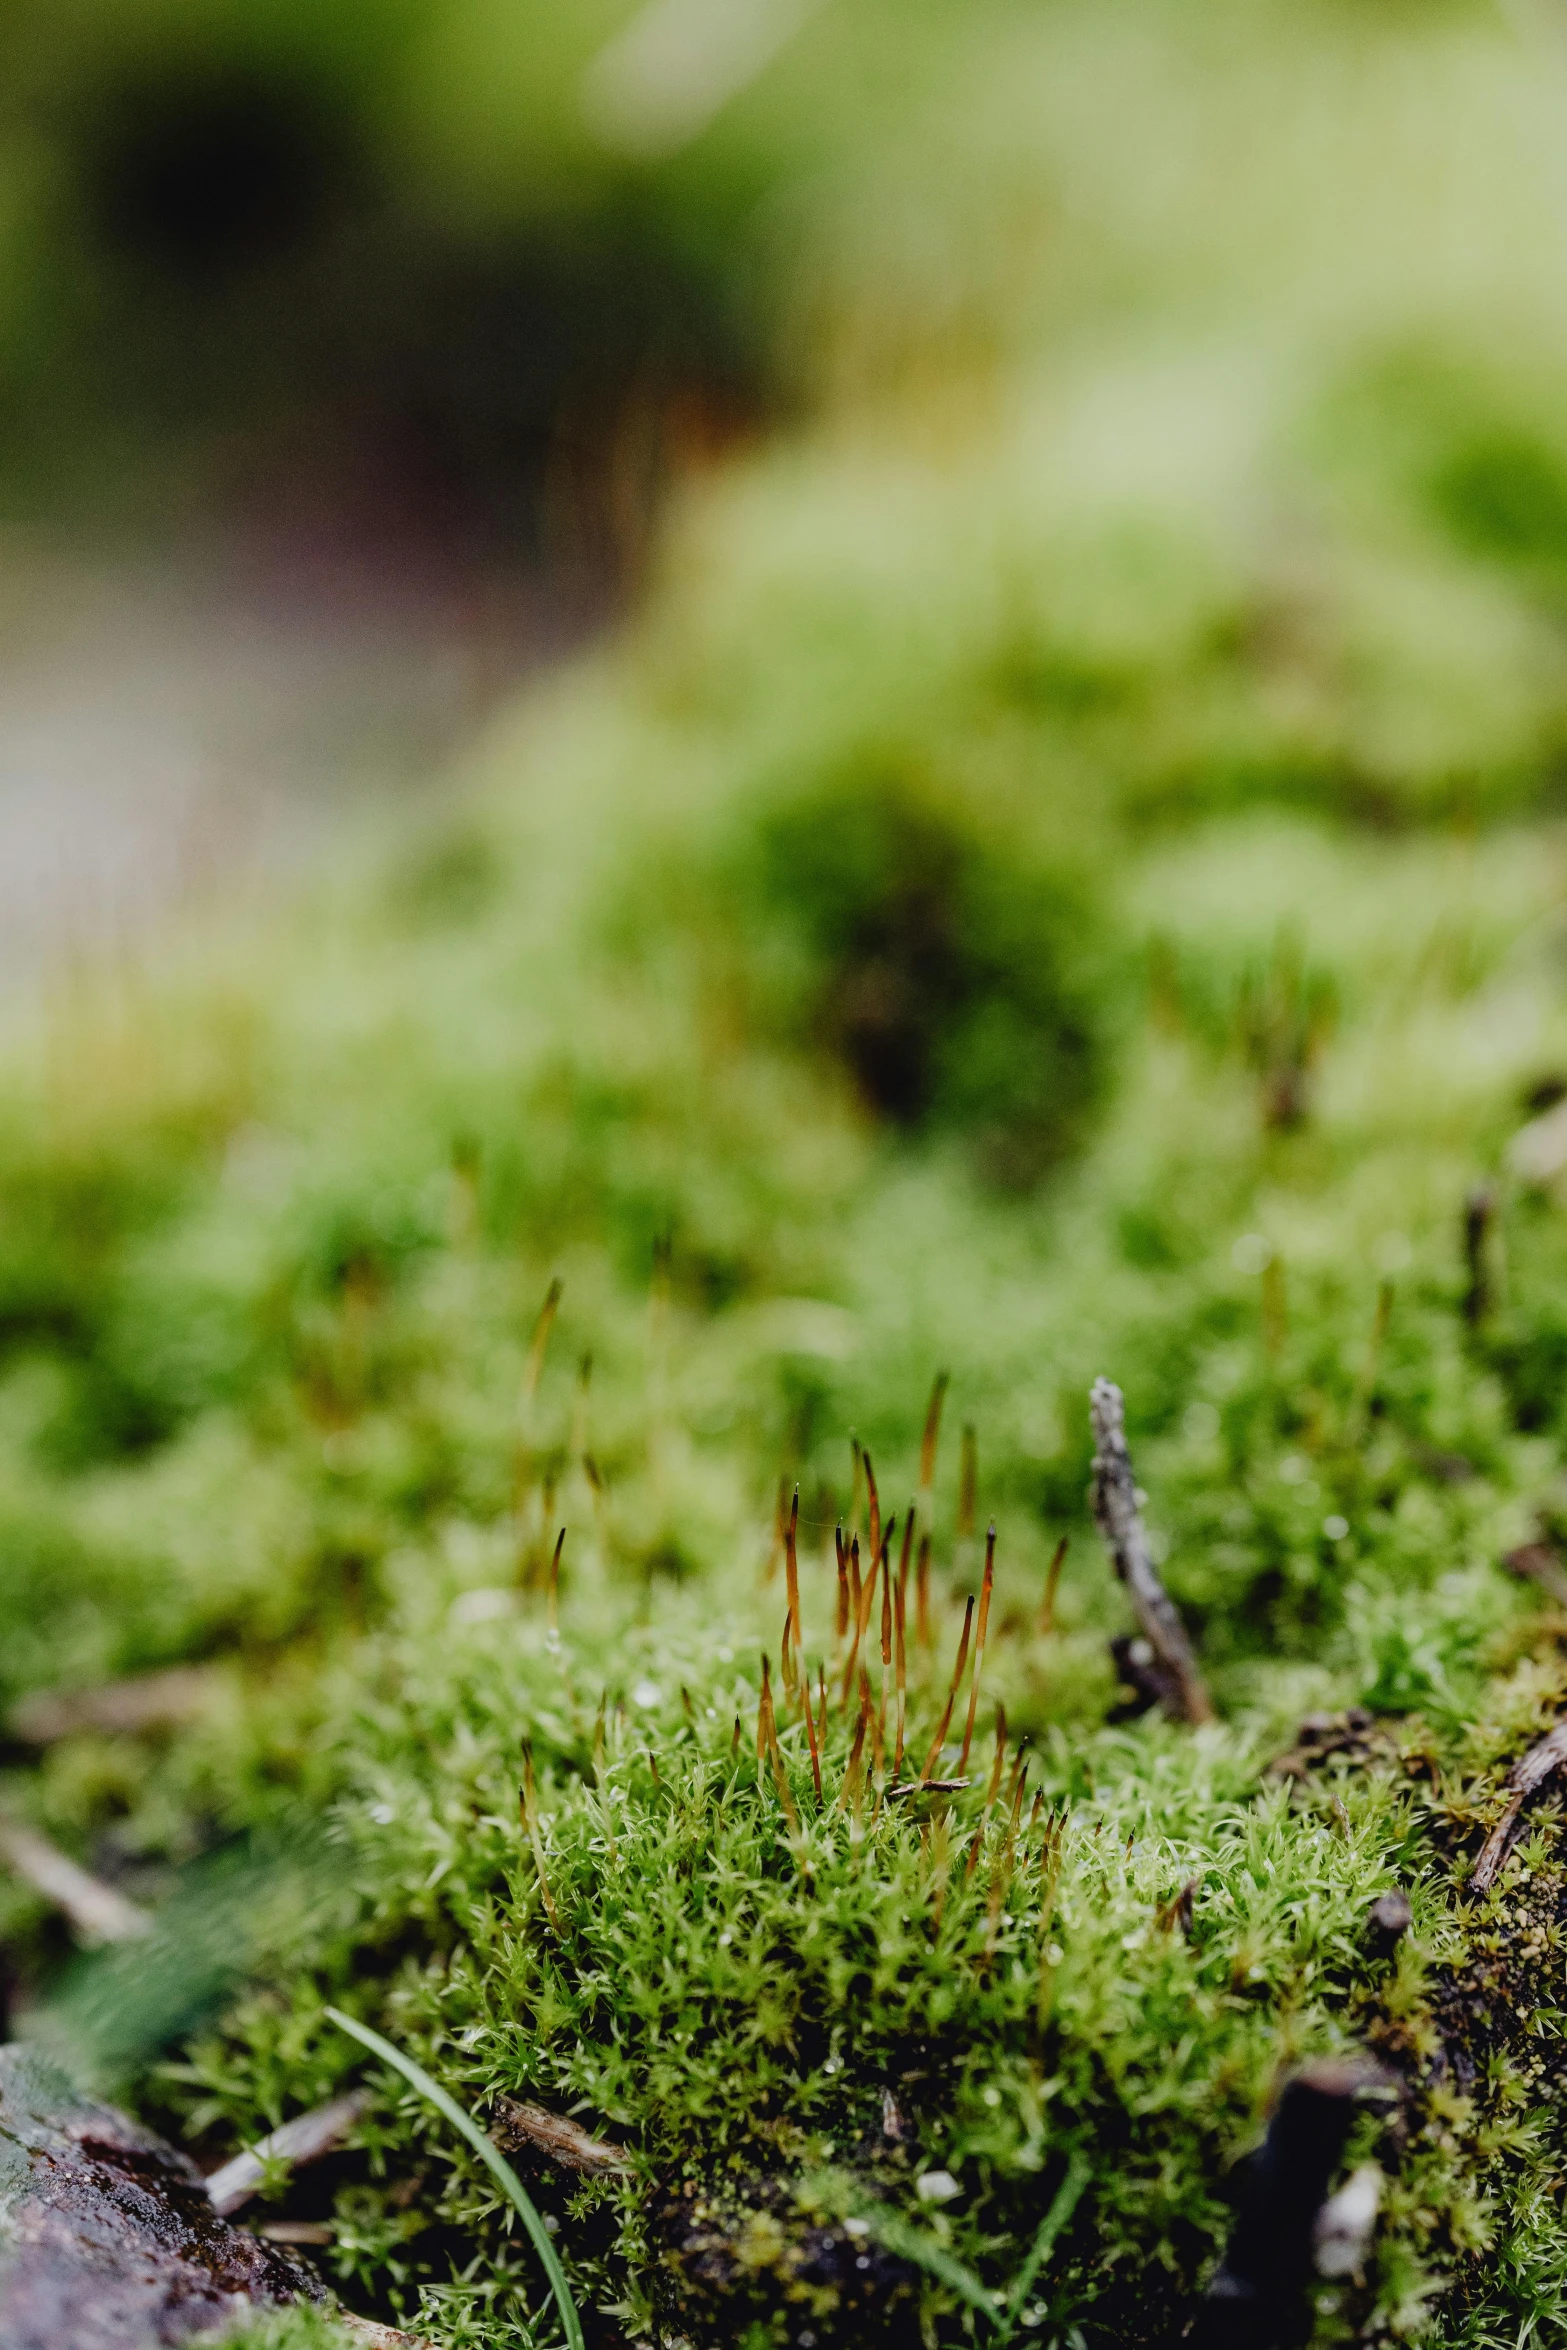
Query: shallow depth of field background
357, 362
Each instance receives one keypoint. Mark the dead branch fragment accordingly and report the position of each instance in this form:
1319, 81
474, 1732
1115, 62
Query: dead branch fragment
1528, 1774
305, 2139
148, 1701
1120, 1520
564, 2141
97, 1912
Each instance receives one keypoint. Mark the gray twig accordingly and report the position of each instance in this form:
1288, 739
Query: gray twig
1120, 1520
305, 2139
562, 2140
1528, 1773
98, 1913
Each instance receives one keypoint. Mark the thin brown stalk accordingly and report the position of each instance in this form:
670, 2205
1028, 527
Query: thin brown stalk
886, 1630
979, 1644
534, 1365
851, 1776
922, 1593
901, 1668
968, 1483
1001, 1756
792, 1568
868, 1708
810, 1731
864, 1593
530, 1819
775, 1546
554, 1581
929, 1442
786, 1658
764, 1711
874, 1499
856, 1487
841, 1620
940, 1739
1047, 1613
781, 1780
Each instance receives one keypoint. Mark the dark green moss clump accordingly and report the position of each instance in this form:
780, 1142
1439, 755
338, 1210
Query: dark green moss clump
953, 969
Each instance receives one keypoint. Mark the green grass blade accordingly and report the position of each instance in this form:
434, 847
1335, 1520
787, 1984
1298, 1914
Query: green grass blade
908, 2244
1062, 2205
510, 2184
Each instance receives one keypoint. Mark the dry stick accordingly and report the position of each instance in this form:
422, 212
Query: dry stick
305, 2139
1047, 1613
530, 1820
1529, 1772
97, 1912
564, 2141
1120, 1521
940, 1739
979, 1643
922, 1593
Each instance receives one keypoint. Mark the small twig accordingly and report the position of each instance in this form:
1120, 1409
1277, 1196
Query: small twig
148, 1701
96, 1911
1120, 1520
305, 2139
1528, 1773
564, 2141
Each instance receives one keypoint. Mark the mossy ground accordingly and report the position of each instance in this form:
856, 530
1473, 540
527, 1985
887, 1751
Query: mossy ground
1216, 647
